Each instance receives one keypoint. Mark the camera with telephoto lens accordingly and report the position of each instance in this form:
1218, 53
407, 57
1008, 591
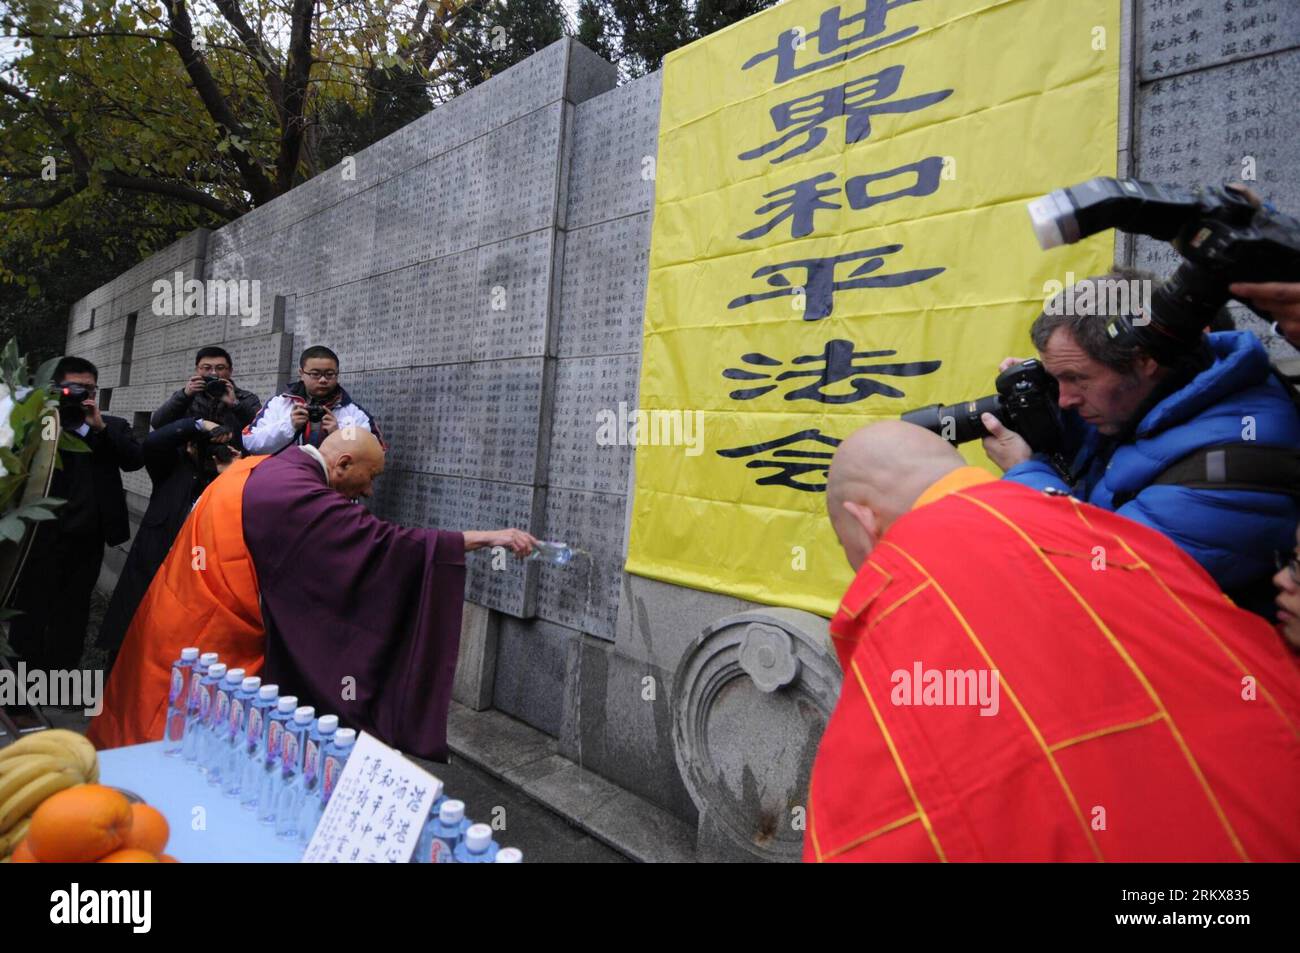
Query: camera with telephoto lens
1025, 402
1222, 237
214, 386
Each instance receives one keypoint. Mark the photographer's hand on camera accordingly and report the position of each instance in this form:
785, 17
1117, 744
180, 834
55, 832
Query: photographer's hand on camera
93, 416
194, 385
216, 432
229, 399
1005, 447
328, 424
1279, 299
298, 417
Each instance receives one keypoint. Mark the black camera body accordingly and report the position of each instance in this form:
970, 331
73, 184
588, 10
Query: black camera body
214, 387
316, 412
71, 395
1025, 401
1221, 235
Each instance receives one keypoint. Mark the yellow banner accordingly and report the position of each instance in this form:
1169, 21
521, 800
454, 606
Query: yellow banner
840, 235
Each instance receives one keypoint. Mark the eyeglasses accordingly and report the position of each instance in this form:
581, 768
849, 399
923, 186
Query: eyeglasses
1287, 559
321, 375
213, 368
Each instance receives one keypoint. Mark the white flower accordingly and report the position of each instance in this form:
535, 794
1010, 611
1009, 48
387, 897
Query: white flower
6, 408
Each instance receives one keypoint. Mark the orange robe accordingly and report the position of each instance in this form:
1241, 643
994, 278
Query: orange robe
1140, 717
191, 601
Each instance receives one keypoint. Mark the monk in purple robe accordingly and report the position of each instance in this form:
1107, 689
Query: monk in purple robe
281, 573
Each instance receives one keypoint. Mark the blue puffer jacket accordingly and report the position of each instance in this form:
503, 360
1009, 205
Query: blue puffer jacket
1232, 533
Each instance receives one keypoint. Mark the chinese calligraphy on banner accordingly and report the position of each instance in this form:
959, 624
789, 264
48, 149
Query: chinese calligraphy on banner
840, 235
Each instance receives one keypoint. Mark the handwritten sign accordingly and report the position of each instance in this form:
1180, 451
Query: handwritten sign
377, 809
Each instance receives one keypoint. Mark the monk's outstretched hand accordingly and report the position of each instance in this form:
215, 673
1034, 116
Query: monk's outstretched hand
515, 540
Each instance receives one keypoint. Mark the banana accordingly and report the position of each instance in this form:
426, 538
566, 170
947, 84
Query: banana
15, 836
78, 745
38, 744
30, 797
25, 770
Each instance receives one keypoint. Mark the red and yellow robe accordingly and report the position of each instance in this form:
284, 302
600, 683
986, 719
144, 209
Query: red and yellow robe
1142, 717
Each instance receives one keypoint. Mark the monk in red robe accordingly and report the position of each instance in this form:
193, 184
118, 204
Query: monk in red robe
281, 573
1029, 678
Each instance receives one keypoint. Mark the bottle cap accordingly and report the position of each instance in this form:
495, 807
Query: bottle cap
452, 811
345, 736
268, 692
250, 684
189, 655
234, 675
207, 658
327, 724
217, 670
304, 715
510, 855
478, 837
287, 703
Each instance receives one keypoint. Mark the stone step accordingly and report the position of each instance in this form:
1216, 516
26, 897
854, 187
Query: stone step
527, 759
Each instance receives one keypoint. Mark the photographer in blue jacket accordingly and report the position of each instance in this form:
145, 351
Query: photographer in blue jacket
1198, 448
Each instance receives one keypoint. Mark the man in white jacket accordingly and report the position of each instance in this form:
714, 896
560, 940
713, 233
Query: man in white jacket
310, 410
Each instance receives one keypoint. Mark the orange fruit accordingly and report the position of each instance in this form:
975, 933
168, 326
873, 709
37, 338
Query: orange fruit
149, 830
79, 825
128, 855
23, 854
167, 859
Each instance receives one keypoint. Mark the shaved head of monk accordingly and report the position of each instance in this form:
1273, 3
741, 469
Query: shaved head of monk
877, 475
353, 457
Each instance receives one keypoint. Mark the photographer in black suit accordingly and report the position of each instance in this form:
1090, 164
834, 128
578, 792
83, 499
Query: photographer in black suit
182, 459
53, 594
211, 394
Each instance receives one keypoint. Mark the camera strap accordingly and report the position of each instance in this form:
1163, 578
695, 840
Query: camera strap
1233, 466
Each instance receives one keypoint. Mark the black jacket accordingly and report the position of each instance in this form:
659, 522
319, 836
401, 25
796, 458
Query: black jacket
177, 483
234, 419
112, 450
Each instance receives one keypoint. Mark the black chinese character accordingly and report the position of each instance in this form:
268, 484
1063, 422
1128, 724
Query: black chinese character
837, 359
789, 469
858, 100
830, 37
800, 201
819, 284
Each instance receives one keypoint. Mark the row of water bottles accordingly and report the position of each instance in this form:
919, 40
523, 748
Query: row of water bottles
283, 762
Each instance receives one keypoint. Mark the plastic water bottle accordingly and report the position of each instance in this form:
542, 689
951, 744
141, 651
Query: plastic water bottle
178, 701
286, 797
232, 764
509, 855
219, 730
190, 744
308, 784
478, 847
252, 751
268, 783
336, 757
552, 551
208, 689
442, 833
